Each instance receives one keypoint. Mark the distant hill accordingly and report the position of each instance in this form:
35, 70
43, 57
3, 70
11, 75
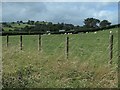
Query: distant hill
47, 27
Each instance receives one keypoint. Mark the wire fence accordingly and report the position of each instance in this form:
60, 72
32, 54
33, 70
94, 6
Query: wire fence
68, 46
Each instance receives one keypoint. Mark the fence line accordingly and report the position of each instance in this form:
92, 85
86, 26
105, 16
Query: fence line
7, 40
20, 42
66, 45
39, 43
111, 48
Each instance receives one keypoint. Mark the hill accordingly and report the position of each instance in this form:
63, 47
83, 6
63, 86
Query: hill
87, 66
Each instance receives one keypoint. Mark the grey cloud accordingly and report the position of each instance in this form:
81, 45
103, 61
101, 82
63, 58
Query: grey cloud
21, 11
74, 12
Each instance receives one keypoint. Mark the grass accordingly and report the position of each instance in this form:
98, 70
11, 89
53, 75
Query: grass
87, 67
15, 25
0, 63
21, 25
7, 28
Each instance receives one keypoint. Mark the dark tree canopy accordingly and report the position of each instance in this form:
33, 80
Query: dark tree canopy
105, 23
91, 22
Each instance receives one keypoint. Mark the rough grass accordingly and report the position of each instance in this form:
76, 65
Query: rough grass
0, 63
87, 66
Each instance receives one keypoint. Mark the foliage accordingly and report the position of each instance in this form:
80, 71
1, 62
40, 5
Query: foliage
104, 23
91, 22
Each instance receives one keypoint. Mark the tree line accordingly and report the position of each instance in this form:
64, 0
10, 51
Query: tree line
49, 27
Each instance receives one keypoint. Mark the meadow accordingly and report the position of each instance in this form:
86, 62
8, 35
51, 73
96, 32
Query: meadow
86, 67
15, 26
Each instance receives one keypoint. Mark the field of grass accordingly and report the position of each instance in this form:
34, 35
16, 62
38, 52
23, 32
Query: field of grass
87, 65
21, 25
15, 25
0, 63
7, 28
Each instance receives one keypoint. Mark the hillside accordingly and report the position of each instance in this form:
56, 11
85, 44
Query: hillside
87, 65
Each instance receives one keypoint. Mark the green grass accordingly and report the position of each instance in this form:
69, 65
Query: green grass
7, 28
0, 63
21, 25
15, 25
87, 66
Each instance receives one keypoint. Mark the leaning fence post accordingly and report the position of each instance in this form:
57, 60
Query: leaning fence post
39, 43
111, 48
20, 42
7, 40
67, 47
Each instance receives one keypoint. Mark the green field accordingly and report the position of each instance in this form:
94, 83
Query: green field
87, 65
15, 25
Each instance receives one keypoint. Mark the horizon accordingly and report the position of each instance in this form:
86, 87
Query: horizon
50, 21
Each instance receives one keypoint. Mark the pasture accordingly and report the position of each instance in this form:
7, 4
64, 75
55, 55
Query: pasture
87, 65
15, 26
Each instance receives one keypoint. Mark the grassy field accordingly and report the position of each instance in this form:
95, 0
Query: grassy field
87, 65
15, 25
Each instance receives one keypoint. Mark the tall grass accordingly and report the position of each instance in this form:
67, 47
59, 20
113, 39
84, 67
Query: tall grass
0, 63
87, 66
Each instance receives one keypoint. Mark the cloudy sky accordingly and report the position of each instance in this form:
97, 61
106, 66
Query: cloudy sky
67, 12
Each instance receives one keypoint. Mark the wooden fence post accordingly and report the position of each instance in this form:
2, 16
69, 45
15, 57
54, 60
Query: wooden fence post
67, 47
111, 48
39, 43
20, 42
7, 40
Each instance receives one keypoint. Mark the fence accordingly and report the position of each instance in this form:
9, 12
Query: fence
67, 43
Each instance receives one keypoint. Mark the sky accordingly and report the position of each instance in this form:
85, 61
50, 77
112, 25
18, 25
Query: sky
67, 12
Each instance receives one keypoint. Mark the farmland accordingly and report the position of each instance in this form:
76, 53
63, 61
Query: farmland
14, 26
87, 65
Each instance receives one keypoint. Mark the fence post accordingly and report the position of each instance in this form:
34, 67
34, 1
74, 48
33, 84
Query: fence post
7, 40
39, 43
20, 42
111, 48
67, 47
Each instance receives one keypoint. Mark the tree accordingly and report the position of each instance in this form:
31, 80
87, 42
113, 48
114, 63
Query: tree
28, 22
50, 26
32, 22
13, 22
49, 23
105, 23
5, 24
21, 21
37, 22
91, 22
3, 29
59, 26
18, 22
